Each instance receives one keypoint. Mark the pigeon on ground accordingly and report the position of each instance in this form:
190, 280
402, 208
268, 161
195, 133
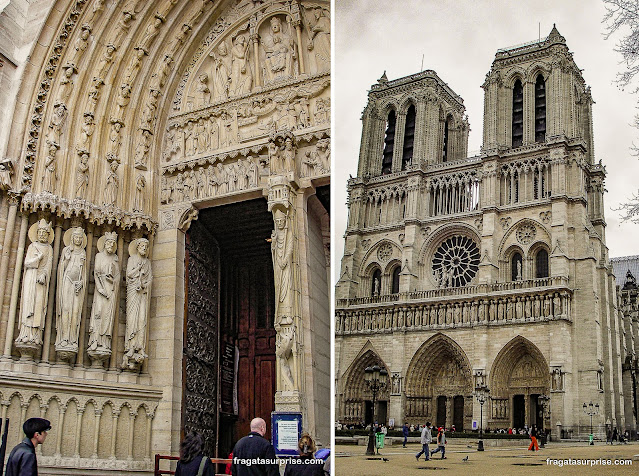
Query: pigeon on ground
465, 459
385, 459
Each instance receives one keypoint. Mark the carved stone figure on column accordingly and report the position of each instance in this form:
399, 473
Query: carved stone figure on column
38, 262
281, 56
57, 123
122, 101
142, 150
82, 176
50, 177
252, 173
320, 40
241, 74
151, 32
221, 73
104, 65
87, 129
138, 292
66, 83
6, 170
72, 281
81, 44
106, 271
112, 185
138, 199
114, 141
284, 352
282, 252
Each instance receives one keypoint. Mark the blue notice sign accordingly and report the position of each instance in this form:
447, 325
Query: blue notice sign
286, 431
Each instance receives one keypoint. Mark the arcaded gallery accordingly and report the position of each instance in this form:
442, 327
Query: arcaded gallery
164, 222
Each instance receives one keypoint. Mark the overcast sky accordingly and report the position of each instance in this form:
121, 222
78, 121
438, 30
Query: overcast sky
458, 40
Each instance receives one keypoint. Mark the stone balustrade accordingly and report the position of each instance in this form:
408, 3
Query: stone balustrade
496, 305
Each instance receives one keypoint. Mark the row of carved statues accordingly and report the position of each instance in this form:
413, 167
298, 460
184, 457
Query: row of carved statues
243, 174
219, 130
488, 310
71, 288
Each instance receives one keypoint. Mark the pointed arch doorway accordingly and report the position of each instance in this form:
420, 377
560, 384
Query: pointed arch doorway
229, 345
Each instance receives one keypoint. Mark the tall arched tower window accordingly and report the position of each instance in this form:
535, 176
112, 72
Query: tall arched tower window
541, 264
376, 282
445, 145
409, 137
540, 109
389, 144
395, 283
516, 266
518, 114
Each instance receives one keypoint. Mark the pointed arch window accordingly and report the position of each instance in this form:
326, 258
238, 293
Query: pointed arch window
409, 137
516, 265
540, 109
376, 282
518, 114
445, 145
389, 144
541, 264
395, 282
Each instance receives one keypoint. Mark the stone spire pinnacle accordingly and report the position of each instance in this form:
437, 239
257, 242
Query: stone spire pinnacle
555, 36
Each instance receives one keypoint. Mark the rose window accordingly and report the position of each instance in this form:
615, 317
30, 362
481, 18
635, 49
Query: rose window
456, 262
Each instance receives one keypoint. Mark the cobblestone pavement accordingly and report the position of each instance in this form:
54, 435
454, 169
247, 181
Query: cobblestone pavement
350, 460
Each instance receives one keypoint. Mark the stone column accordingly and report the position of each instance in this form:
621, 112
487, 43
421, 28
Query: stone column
14, 200
298, 31
15, 291
114, 432
129, 455
84, 315
58, 441
78, 433
52, 289
256, 54
288, 320
96, 433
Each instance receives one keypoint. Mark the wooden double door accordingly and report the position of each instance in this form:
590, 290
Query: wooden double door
229, 345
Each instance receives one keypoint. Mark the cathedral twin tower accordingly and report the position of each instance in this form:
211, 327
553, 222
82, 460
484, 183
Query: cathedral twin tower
483, 273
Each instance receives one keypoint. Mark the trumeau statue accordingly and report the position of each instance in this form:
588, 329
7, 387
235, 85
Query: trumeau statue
35, 287
106, 272
138, 293
71, 287
282, 253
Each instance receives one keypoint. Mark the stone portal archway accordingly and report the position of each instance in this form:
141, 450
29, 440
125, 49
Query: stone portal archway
357, 398
439, 385
519, 374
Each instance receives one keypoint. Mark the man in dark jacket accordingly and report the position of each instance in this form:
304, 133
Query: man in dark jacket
253, 455
405, 434
22, 460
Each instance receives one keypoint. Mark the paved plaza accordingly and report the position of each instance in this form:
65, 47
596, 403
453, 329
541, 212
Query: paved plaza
351, 461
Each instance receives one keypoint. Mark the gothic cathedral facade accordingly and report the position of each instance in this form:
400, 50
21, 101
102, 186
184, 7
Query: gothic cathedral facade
165, 188
482, 273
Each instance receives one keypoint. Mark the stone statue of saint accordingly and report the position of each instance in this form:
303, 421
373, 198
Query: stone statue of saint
138, 293
241, 74
106, 272
72, 284
221, 73
35, 287
282, 252
279, 49
320, 40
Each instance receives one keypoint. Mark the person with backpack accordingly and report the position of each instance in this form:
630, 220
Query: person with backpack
192, 462
441, 443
